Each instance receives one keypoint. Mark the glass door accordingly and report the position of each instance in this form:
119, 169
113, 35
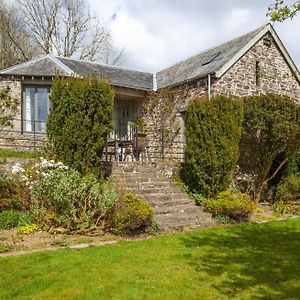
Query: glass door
123, 118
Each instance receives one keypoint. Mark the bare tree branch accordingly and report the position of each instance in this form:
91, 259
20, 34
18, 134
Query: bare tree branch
67, 28
15, 44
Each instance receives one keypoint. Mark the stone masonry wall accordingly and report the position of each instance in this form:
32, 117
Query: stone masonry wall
272, 76
174, 147
242, 79
13, 137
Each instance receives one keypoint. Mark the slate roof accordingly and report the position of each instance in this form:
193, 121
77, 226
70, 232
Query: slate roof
49, 65
215, 61
192, 68
116, 75
42, 66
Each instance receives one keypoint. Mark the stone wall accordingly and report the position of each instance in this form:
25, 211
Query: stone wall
263, 69
13, 137
174, 146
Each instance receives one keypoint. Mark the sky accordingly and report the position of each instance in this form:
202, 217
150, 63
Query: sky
159, 33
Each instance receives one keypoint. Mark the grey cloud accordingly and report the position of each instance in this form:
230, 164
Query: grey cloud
187, 27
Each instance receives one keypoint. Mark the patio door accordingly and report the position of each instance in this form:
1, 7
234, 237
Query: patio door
124, 115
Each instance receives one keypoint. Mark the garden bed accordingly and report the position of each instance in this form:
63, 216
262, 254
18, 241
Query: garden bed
12, 243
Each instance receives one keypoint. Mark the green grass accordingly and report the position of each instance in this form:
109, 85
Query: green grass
246, 261
10, 153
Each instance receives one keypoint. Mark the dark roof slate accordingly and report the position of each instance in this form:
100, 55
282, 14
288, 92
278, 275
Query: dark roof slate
49, 65
42, 66
116, 75
192, 68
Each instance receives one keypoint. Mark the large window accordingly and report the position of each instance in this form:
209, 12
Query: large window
35, 108
123, 117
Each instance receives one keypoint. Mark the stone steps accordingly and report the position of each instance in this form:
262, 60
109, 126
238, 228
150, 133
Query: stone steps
173, 209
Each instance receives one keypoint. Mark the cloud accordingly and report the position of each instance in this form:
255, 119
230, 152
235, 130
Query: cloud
158, 33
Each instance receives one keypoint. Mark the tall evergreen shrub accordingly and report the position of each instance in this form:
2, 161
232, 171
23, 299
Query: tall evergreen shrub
213, 129
79, 121
270, 137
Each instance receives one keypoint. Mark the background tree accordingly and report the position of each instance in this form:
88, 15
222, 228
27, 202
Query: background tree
62, 27
280, 11
79, 121
67, 28
270, 137
15, 44
213, 130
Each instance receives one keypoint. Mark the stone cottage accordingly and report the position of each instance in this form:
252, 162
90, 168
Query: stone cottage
254, 63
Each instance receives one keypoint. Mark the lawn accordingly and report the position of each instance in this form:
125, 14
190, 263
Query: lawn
247, 261
10, 153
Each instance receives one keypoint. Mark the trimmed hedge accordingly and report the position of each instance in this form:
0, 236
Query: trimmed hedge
80, 120
213, 129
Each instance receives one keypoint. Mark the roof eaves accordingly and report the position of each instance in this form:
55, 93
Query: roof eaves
236, 57
144, 89
191, 79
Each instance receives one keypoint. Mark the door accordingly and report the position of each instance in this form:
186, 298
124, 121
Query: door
123, 116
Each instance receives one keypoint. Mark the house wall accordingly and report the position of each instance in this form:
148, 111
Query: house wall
273, 76
14, 137
175, 140
242, 79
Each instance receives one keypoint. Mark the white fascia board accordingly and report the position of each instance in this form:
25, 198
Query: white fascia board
285, 53
62, 66
236, 57
267, 28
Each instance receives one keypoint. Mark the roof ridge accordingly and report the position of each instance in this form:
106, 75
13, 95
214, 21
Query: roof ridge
62, 65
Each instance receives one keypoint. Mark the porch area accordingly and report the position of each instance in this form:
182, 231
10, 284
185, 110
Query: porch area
132, 147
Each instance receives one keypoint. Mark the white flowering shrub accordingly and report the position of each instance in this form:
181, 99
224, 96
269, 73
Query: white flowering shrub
62, 197
71, 201
37, 171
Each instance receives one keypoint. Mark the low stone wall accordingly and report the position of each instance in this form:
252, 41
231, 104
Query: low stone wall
26, 141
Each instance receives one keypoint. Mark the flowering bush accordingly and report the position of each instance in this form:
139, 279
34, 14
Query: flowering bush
39, 170
244, 182
62, 197
68, 200
28, 229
